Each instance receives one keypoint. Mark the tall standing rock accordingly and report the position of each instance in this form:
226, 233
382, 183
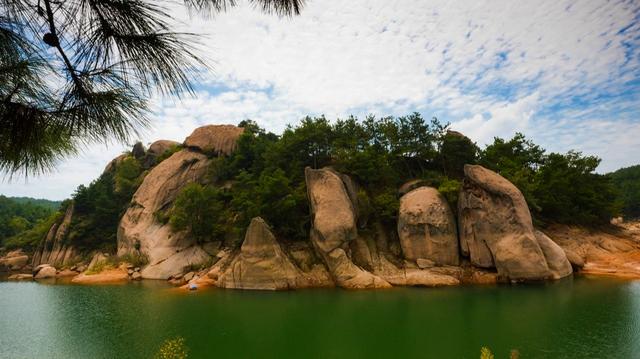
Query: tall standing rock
496, 229
333, 227
54, 249
170, 253
427, 228
262, 264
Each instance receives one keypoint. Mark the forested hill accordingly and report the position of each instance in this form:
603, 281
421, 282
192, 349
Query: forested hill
54, 205
20, 214
627, 183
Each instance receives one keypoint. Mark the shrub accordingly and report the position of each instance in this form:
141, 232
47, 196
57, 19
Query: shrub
135, 259
168, 152
173, 349
485, 353
200, 210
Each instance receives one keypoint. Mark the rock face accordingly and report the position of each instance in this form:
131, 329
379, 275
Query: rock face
155, 150
45, 272
14, 261
557, 260
427, 228
111, 166
158, 147
333, 227
54, 250
262, 264
496, 229
169, 253
138, 150
216, 139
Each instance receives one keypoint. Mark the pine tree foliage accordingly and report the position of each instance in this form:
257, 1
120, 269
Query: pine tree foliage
74, 72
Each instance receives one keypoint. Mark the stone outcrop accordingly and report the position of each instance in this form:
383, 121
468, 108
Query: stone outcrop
54, 249
371, 252
215, 139
169, 253
333, 227
45, 272
427, 228
107, 276
138, 150
156, 150
14, 261
262, 264
496, 229
111, 166
557, 260
159, 147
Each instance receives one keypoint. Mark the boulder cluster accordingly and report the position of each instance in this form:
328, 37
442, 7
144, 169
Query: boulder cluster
492, 239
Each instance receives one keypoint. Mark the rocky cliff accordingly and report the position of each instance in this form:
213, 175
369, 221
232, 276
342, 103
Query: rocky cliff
492, 239
54, 249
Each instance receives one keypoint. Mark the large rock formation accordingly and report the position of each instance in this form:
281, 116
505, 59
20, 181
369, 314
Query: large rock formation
171, 253
333, 227
496, 229
14, 261
215, 139
54, 249
427, 228
262, 264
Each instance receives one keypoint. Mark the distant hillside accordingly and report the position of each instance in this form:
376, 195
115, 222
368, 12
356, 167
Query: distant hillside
38, 201
627, 183
19, 214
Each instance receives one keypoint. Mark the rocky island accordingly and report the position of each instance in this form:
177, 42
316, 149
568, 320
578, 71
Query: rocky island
487, 237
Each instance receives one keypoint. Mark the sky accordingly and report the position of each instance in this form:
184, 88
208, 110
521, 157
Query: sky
564, 73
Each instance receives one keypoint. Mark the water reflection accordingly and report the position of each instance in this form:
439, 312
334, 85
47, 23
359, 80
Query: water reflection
565, 319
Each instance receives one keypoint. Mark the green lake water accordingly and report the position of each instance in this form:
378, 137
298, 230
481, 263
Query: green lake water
579, 318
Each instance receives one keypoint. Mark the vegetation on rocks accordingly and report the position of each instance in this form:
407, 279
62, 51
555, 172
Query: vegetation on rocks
627, 184
562, 188
264, 176
20, 214
100, 205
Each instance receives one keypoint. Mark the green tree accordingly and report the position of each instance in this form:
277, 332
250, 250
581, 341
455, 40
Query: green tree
517, 160
568, 190
456, 150
627, 185
18, 224
201, 211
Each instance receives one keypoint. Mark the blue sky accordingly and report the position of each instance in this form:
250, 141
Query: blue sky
565, 73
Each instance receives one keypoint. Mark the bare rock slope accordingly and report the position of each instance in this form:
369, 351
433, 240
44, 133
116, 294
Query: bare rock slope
170, 253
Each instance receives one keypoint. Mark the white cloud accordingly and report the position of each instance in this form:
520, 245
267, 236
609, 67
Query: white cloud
559, 71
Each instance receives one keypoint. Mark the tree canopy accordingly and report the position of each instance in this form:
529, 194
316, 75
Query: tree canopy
265, 175
79, 71
627, 184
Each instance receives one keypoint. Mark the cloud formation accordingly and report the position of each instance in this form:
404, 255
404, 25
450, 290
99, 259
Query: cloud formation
566, 73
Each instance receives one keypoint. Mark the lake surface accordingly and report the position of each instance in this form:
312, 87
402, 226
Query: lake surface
579, 318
